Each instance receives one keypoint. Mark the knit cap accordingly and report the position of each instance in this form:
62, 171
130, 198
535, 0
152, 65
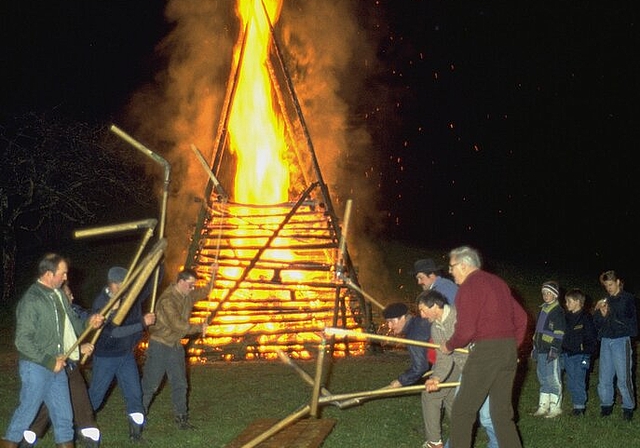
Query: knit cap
116, 274
552, 287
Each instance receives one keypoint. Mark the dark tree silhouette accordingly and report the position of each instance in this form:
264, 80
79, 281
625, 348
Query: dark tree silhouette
58, 174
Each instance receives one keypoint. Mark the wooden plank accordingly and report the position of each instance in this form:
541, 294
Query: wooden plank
305, 433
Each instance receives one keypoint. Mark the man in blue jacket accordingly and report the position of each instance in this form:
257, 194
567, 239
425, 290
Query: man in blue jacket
114, 356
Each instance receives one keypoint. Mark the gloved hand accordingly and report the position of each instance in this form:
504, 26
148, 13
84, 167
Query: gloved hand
586, 362
553, 354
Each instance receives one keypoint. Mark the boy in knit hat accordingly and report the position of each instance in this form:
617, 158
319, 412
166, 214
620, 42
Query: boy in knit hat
547, 345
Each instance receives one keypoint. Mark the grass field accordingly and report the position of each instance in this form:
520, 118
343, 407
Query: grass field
225, 398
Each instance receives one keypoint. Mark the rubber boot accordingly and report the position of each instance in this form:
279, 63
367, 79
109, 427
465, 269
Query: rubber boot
543, 406
555, 406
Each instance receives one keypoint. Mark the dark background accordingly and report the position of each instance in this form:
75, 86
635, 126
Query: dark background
515, 127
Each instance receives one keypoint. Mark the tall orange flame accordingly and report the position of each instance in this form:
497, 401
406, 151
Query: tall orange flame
256, 132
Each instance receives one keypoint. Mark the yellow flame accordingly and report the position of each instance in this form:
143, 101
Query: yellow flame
256, 131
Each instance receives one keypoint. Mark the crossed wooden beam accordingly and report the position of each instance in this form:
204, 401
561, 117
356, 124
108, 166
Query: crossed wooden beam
321, 396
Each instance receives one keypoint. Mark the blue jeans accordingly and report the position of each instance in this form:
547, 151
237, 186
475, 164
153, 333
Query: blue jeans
125, 370
163, 359
576, 373
615, 361
548, 375
41, 385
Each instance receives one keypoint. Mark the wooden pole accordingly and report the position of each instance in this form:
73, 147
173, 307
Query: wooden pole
147, 269
355, 287
317, 384
165, 194
113, 228
382, 392
378, 337
303, 374
160, 245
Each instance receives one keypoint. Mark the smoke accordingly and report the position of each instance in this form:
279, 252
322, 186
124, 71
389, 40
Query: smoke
333, 58
181, 107
328, 54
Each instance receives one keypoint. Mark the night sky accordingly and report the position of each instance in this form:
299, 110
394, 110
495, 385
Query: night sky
507, 125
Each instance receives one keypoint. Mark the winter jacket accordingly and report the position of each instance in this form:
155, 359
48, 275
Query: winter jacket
40, 317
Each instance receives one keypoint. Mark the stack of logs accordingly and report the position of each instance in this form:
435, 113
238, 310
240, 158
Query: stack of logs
276, 288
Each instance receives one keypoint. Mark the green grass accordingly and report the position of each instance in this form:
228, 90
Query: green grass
225, 398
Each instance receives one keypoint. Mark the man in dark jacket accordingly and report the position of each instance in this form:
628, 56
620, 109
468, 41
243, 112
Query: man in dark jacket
114, 355
401, 322
616, 322
46, 329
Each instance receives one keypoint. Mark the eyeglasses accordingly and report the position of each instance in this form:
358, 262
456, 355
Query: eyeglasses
451, 266
191, 285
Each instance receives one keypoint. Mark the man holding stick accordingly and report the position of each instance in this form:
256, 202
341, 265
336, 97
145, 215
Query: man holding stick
46, 329
492, 323
166, 354
84, 419
434, 307
114, 357
401, 321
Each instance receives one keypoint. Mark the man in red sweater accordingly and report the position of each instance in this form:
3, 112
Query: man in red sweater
493, 323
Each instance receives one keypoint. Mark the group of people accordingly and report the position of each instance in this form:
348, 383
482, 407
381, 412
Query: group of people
566, 339
54, 390
476, 325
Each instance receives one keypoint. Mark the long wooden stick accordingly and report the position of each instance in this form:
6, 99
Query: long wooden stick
300, 371
382, 392
343, 240
359, 400
355, 287
160, 245
331, 331
138, 284
317, 383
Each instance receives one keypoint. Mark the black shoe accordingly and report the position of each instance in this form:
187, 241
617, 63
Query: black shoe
578, 412
627, 415
135, 431
606, 411
182, 421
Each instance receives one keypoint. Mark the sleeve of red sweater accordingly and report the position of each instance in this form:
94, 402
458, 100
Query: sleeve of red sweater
520, 322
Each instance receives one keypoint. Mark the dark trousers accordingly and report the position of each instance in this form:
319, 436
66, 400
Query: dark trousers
83, 416
489, 370
163, 359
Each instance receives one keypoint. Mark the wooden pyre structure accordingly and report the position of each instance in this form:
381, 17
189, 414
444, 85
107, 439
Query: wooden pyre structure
281, 267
